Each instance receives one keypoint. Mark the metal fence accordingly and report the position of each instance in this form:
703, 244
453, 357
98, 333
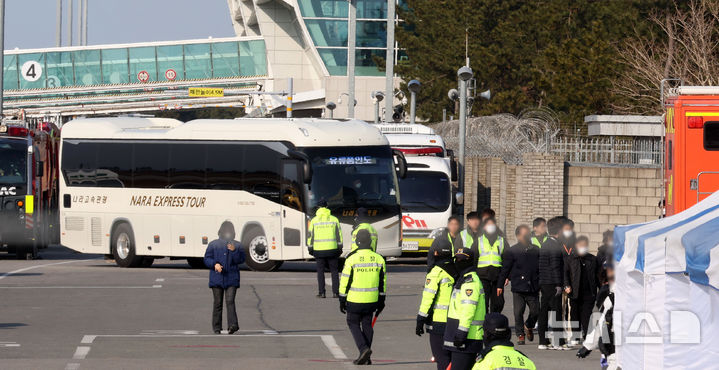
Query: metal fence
610, 150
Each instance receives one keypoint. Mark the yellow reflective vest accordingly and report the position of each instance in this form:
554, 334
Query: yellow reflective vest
436, 295
364, 277
536, 241
467, 307
324, 231
490, 254
504, 357
372, 233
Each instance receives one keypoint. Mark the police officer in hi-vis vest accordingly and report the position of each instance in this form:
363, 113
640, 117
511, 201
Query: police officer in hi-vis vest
499, 352
362, 293
361, 223
489, 264
465, 319
434, 306
325, 244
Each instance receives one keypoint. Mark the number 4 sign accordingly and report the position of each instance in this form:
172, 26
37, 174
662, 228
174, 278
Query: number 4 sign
31, 71
143, 76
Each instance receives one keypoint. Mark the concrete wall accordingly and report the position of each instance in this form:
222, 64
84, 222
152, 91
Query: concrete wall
596, 198
600, 197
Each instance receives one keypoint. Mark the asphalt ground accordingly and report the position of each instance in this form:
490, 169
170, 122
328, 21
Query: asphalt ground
76, 311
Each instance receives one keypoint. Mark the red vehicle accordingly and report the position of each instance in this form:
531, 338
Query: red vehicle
28, 186
691, 165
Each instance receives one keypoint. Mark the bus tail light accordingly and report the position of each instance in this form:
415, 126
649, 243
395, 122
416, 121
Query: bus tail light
695, 122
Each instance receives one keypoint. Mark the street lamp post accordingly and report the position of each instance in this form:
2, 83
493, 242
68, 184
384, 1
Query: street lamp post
413, 87
465, 74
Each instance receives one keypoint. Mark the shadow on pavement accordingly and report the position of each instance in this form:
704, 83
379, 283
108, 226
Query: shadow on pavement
11, 325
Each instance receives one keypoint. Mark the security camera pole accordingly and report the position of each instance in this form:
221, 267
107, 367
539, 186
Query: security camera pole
413, 87
2, 51
464, 74
377, 96
331, 107
351, 31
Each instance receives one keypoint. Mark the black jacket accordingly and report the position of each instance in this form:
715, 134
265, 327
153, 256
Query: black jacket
573, 274
520, 264
551, 263
444, 240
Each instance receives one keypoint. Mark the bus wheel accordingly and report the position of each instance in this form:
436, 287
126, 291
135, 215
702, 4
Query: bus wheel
147, 262
196, 262
257, 251
123, 247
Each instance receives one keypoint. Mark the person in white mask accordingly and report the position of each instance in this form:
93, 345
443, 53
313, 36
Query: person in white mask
580, 285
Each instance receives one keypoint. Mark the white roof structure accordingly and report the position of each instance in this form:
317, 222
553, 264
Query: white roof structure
300, 132
624, 125
667, 290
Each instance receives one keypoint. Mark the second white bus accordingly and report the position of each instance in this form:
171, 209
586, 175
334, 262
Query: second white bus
146, 188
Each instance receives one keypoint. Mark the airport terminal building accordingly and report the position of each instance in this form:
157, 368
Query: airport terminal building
274, 40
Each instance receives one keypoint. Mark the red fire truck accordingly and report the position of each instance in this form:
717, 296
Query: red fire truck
691, 165
28, 186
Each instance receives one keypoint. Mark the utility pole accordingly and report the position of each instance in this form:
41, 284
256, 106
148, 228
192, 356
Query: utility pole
58, 32
69, 23
389, 62
351, 38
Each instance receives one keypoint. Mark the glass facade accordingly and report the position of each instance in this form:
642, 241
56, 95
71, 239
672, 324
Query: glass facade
327, 23
112, 66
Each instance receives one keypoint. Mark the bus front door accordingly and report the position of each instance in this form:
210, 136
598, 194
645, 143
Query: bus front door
292, 215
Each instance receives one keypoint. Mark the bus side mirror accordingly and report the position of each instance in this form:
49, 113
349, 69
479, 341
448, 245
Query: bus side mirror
400, 163
40, 169
306, 166
453, 173
459, 198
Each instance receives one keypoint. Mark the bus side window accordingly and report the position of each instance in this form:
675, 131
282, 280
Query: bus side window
670, 155
711, 136
151, 167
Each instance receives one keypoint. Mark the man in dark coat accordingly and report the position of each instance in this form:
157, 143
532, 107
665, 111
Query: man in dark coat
520, 265
551, 279
580, 283
449, 235
223, 257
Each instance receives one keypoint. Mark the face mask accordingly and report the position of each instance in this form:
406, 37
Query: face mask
490, 229
568, 233
582, 250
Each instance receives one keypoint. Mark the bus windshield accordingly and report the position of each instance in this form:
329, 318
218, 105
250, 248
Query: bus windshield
13, 166
425, 191
352, 177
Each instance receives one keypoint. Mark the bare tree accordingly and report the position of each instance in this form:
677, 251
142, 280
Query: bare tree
686, 47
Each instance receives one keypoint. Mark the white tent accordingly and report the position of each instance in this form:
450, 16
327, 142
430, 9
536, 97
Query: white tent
667, 287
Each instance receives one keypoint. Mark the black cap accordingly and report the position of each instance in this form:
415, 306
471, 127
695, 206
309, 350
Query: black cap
362, 215
363, 239
496, 324
463, 254
322, 203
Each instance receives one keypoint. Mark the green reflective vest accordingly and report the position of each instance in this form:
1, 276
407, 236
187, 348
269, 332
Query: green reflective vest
467, 240
467, 306
364, 277
324, 231
490, 254
372, 233
436, 294
538, 242
504, 358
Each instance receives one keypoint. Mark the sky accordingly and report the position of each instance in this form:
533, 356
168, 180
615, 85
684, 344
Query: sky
32, 24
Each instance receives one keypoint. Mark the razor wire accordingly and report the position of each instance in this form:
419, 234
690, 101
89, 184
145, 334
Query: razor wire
504, 135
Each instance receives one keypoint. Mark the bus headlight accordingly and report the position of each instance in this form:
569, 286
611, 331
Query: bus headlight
436, 232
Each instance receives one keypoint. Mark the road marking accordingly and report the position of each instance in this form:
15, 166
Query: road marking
72, 366
2, 276
88, 339
159, 279
9, 344
161, 331
81, 287
81, 352
333, 347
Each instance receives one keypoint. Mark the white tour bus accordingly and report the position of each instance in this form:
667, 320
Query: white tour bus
427, 186
145, 188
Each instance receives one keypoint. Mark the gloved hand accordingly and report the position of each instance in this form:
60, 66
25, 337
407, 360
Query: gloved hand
380, 304
312, 251
419, 329
343, 304
459, 339
559, 291
583, 352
